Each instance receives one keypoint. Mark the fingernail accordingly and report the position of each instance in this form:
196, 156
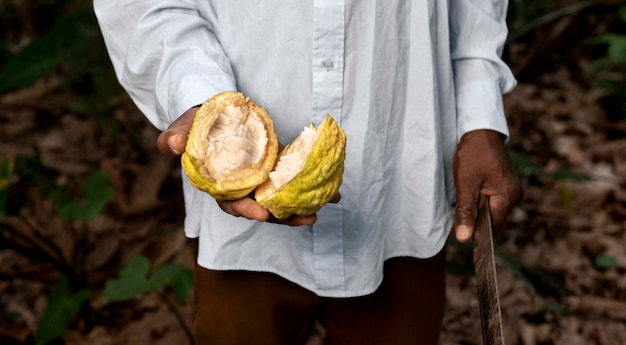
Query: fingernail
463, 233
174, 144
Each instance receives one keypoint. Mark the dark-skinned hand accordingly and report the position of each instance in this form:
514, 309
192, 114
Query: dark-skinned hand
172, 142
483, 167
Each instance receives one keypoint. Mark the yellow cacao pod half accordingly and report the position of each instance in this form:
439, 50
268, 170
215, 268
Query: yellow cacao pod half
231, 148
308, 172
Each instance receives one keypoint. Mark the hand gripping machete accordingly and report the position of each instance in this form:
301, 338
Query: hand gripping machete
486, 280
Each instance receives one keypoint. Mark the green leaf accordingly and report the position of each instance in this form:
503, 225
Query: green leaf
6, 171
63, 306
557, 308
605, 262
5, 55
133, 280
10, 316
71, 36
97, 190
622, 13
524, 166
164, 275
568, 175
32, 63
617, 47
98, 187
182, 283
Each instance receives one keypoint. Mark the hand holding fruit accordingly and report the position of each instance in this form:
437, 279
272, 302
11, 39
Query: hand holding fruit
230, 149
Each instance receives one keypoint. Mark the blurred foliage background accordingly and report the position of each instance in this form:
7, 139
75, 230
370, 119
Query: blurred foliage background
43, 40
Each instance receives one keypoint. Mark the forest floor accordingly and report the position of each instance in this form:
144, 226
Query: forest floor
561, 259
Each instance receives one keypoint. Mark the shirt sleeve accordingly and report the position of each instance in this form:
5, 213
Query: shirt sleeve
165, 55
478, 33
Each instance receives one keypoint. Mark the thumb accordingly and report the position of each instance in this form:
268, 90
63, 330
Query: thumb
172, 141
465, 216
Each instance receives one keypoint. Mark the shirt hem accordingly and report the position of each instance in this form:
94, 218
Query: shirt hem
367, 290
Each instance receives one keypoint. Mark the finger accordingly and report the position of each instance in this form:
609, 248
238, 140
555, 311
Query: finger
245, 207
501, 204
172, 141
498, 212
335, 198
295, 220
465, 215
250, 209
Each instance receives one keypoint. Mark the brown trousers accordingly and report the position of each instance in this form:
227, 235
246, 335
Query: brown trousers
252, 308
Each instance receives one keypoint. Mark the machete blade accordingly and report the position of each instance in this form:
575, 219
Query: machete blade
486, 280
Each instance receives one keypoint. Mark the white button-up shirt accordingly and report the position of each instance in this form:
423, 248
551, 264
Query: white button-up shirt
404, 78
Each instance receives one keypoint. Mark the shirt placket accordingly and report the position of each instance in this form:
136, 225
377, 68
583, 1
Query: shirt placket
328, 58
328, 66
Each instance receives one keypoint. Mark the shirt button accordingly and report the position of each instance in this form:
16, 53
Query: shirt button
328, 65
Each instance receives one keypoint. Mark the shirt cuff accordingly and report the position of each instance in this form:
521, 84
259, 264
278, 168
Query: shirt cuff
480, 106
